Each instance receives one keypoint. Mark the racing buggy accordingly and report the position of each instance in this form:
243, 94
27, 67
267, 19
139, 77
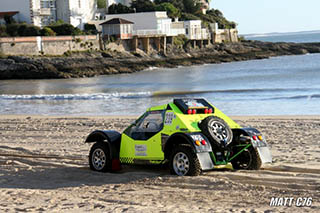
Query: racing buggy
191, 135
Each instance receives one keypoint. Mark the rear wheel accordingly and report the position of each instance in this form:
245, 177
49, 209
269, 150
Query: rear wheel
249, 159
99, 158
184, 161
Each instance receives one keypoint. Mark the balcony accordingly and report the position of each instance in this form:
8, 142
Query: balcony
45, 12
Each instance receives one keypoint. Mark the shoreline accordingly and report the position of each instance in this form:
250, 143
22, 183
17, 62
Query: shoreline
110, 117
90, 64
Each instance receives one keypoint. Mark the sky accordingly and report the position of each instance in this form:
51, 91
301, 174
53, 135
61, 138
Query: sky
266, 16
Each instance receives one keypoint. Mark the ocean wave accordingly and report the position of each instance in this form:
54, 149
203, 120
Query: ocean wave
296, 97
150, 94
61, 97
229, 91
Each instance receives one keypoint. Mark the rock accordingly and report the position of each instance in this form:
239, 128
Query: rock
97, 63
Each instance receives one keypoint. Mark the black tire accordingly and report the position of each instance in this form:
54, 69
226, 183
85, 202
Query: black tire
249, 159
217, 131
99, 157
183, 161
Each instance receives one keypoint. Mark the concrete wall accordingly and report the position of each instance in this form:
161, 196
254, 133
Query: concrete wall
22, 6
56, 45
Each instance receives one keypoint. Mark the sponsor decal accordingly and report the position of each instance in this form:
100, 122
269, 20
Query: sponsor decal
197, 137
291, 201
170, 116
140, 150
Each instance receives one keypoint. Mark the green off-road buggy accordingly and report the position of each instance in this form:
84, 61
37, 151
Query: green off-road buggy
191, 135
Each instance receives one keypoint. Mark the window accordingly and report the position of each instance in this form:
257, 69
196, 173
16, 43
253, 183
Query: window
152, 122
147, 126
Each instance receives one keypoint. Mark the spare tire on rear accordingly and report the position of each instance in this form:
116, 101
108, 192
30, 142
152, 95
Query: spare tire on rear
217, 131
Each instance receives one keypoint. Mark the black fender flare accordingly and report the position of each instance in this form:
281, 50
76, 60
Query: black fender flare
110, 137
184, 138
247, 131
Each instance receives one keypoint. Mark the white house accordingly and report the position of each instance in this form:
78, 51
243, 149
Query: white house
44, 12
146, 23
118, 27
194, 30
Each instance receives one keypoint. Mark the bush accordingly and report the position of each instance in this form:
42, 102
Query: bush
31, 30
12, 29
90, 29
3, 31
180, 40
22, 30
65, 29
46, 31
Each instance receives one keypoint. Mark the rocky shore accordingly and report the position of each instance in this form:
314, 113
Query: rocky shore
89, 64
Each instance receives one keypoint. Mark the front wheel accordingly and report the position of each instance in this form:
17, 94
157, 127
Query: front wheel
184, 161
249, 159
99, 157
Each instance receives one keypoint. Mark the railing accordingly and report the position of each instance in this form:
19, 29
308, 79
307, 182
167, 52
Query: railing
147, 32
171, 32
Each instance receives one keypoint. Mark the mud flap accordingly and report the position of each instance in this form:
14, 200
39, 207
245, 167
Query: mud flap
205, 160
265, 154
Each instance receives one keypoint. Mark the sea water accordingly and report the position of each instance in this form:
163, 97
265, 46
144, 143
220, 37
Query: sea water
287, 85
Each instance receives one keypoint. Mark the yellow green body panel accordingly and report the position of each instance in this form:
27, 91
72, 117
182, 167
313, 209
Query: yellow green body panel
141, 149
174, 121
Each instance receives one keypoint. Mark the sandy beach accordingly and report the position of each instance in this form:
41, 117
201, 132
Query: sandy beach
44, 167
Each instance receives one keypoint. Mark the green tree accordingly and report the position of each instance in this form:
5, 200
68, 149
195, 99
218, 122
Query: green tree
143, 5
9, 19
176, 3
119, 8
172, 11
101, 4
192, 6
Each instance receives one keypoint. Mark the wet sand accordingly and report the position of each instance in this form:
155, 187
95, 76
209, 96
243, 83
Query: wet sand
44, 167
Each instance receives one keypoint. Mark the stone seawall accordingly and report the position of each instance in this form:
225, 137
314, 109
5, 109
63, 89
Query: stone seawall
47, 45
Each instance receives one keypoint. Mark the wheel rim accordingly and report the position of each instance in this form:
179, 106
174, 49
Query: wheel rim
98, 159
181, 164
218, 130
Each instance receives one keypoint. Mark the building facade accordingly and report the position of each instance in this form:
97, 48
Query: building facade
44, 12
156, 22
76, 12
